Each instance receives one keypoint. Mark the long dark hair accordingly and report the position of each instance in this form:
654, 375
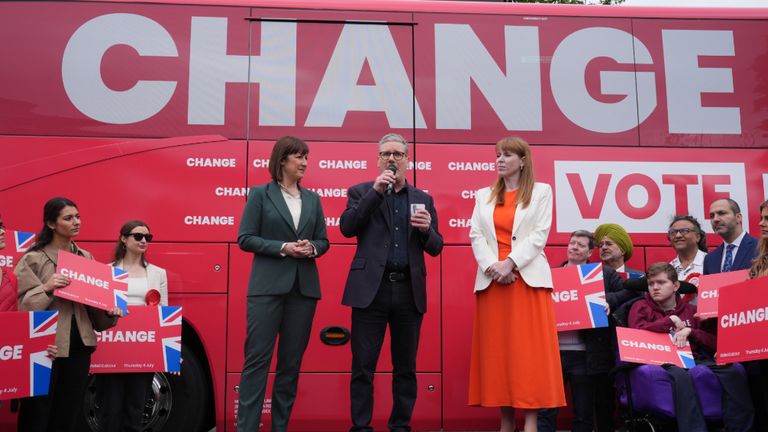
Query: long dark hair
125, 231
51, 212
702, 243
760, 264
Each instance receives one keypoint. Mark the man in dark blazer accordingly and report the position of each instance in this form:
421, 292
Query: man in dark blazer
725, 216
394, 223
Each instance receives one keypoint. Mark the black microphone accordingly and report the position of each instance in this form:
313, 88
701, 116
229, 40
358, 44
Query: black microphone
391, 186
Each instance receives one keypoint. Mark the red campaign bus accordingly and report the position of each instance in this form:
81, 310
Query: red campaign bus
166, 111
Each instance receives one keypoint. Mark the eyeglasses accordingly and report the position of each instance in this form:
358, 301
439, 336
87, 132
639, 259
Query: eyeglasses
397, 155
682, 231
139, 236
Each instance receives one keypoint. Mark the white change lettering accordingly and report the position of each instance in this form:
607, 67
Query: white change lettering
471, 166
209, 220
459, 223
11, 352
212, 162
81, 68
231, 191
90, 280
752, 316
126, 336
343, 164
211, 68
330, 192
645, 345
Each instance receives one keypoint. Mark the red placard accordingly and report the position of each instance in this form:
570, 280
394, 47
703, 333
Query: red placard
647, 347
25, 369
92, 283
148, 339
579, 297
709, 285
742, 332
17, 242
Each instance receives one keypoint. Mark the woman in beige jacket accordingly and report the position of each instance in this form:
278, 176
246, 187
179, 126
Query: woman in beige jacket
75, 337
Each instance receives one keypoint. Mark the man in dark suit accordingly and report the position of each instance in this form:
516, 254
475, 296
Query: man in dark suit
738, 248
394, 223
736, 253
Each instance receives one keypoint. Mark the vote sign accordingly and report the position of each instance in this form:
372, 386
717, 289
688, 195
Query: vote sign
148, 339
647, 347
709, 287
579, 297
742, 333
92, 283
25, 369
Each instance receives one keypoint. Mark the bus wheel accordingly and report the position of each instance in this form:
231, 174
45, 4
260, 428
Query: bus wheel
174, 403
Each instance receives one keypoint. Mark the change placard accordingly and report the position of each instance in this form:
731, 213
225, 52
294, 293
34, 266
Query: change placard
92, 283
148, 339
579, 297
742, 332
25, 369
647, 347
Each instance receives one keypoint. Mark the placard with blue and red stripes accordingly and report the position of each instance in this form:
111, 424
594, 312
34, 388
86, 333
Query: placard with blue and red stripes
579, 297
25, 368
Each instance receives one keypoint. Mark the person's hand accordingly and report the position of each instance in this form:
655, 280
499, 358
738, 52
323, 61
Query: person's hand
298, 249
508, 279
607, 309
55, 282
681, 337
304, 248
501, 269
52, 351
384, 179
422, 220
115, 312
679, 324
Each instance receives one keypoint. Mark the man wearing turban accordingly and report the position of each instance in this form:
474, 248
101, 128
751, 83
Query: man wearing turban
615, 247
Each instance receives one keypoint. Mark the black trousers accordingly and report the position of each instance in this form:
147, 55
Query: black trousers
574, 366
288, 316
393, 306
60, 409
738, 413
757, 374
121, 398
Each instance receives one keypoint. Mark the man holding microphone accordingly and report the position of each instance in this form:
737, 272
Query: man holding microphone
395, 223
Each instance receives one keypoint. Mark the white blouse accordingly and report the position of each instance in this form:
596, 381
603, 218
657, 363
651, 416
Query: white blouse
137, 291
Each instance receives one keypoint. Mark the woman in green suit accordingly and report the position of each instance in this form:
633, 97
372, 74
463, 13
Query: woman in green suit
284, 227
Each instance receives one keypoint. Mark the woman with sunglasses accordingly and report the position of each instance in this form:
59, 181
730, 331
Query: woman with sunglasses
122, 395
75, 336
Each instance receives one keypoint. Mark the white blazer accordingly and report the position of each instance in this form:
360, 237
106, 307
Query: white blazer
529, 236
157, 278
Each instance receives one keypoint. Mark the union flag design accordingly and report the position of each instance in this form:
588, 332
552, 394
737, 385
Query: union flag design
119, 275
23, 240
43, 323
121, 301
590, 272
169, 315
579, 297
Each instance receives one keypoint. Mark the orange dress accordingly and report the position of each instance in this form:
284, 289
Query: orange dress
515, 356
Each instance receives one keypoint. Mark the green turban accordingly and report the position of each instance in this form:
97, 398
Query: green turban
619, 236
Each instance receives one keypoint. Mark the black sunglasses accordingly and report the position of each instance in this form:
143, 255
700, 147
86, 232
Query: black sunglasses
139, 236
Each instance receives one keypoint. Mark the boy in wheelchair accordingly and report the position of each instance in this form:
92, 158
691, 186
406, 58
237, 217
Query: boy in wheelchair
662, 310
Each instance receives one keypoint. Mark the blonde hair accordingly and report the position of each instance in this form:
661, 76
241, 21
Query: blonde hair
521, 148
760, 264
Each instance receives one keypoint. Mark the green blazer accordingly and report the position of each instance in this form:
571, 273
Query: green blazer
267, 224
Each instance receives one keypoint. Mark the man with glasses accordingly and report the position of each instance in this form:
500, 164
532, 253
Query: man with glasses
395, 223
690, 243
738, 248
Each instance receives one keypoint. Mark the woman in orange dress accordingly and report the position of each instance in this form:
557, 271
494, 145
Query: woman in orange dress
515, 356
